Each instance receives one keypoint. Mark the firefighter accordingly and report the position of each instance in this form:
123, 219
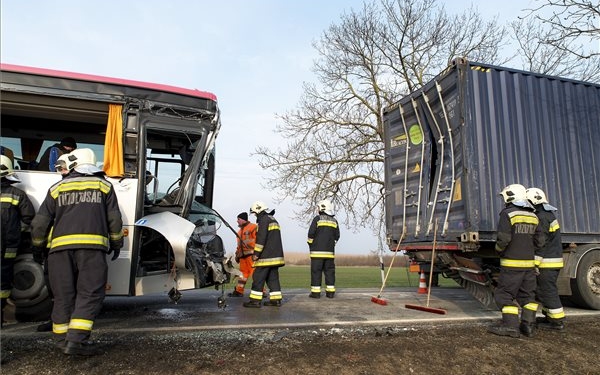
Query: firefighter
17, 210
518, 237
549, 261
267, 257
87, 224
323, 234
246, 239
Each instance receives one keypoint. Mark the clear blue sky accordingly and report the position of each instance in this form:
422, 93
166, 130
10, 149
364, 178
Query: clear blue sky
253, 54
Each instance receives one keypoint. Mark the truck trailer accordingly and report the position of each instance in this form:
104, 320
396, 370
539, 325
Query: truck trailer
452, 145
156, 144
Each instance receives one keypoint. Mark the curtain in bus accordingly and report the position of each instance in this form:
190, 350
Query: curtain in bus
113, 143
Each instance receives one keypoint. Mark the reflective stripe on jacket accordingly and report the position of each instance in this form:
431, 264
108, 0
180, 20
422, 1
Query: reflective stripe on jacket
518, 237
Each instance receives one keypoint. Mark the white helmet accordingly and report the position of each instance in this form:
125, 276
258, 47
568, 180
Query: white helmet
6, 166
536, 196
325, 206
258, 207
513, 193
83, 160
63, 162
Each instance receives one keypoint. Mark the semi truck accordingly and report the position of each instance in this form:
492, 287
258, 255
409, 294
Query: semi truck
156, 144
454, 144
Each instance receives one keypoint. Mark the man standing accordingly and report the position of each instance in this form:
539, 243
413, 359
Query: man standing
246, 239
267, 257
323, 234
549, 261
518, 237
87, 224
16, 209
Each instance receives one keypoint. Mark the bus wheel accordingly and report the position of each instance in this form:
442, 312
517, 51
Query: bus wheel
586, 285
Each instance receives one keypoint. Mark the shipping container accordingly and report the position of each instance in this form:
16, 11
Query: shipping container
450, 148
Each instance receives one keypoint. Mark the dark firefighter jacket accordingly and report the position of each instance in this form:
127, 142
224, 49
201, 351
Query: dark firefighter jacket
16, 208
268, 247
549, 255
323, 233
99, 228
518, 237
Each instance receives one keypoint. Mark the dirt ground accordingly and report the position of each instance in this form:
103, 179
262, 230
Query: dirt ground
464, 348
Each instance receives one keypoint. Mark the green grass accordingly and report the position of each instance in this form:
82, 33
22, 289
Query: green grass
294, 277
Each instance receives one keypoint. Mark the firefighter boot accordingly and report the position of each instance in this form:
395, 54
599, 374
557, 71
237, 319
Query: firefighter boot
508, 326
252, 303
552, 324
527, 326
314, 295
80, 348
273, 302
329, 294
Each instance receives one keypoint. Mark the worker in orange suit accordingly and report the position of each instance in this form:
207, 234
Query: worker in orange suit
243, 254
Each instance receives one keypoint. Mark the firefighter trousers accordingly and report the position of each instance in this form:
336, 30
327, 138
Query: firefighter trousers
547, 293
78, 279
516, 285
270, 275
318, 267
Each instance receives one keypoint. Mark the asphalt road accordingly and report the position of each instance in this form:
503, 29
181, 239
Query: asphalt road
198, 310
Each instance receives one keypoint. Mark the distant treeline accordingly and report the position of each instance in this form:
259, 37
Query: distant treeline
347, 260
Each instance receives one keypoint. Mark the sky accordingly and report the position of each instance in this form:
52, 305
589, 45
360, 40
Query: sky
254, 55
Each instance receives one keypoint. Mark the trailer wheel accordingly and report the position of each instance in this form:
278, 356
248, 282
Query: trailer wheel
586, 285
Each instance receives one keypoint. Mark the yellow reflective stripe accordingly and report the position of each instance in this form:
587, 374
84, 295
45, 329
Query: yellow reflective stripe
116, 236
327, 223
273, 226
322, 254
330, 288
269, 262
10, 199
81, 324
510, 310
555, 313
79, 239
554, 226
258, 248
103, 186
538, 260
4, 293
256, 295
275, 295
10, 253
60, 328
531, 306
518, 263
551, 263
310, 240
523, 219
315, 289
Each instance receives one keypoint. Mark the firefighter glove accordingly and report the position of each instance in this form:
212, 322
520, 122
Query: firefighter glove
38, 254
115, 251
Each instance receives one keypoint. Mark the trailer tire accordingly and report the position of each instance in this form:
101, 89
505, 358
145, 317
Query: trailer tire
586, 286
36, 313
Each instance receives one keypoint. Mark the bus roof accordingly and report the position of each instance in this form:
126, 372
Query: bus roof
109, 80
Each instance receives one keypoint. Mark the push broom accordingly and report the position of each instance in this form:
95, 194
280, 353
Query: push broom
426, 307
379, 300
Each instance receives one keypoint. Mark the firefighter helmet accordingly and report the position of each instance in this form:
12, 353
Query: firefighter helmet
258, 207
513, 193
325, 206
83, 160
6, 166
536, 196
63, 162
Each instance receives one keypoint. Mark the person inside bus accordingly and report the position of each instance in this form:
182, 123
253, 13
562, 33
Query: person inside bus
52, 153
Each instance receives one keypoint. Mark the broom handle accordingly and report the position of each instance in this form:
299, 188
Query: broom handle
432, 261
390, 267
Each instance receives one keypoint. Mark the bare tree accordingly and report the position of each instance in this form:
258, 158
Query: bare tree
366, 62
572, 25
554, 59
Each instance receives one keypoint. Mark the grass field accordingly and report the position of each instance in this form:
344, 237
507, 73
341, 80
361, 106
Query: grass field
294, 277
